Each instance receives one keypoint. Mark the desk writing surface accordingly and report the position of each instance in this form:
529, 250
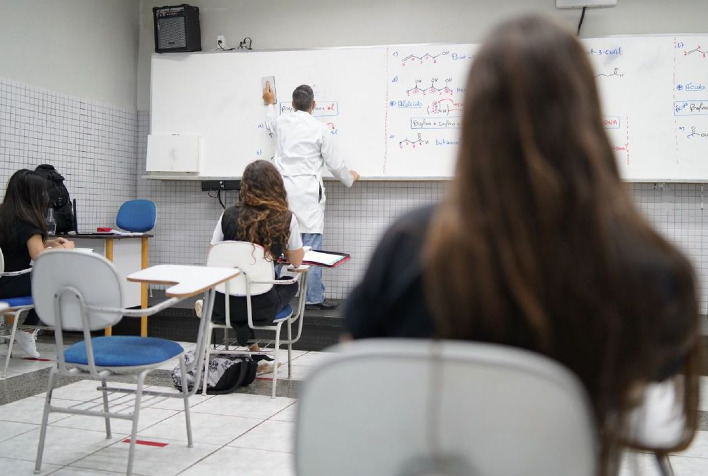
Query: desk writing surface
186, 280
396, 110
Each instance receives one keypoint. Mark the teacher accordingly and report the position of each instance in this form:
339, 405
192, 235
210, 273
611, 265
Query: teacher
304, 146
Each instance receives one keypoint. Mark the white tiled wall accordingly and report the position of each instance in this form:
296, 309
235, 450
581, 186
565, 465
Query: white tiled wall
101, 151
91, 144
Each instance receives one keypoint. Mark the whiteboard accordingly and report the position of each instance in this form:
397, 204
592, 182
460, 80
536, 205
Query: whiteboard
396, 110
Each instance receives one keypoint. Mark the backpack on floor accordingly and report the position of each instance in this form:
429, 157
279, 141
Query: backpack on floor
226, 373
59, 198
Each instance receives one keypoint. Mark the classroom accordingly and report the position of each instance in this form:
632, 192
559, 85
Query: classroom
78, 79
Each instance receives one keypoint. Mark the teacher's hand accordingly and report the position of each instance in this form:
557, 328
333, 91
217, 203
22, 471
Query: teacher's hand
268, 96
355, 175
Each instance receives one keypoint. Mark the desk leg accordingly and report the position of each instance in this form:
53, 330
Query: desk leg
144, 288
109, 257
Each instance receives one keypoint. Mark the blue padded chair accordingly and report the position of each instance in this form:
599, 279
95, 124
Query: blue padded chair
87, 299
16, 311
137, 215
257, 277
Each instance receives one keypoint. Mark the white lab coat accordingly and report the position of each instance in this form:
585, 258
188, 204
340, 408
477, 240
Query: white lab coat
304, 146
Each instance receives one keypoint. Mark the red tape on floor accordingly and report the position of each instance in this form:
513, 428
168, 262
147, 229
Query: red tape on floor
147, 443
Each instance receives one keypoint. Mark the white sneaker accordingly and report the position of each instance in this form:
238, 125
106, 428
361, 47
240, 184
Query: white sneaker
28, 342
198, 307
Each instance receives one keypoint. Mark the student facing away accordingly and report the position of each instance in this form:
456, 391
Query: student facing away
261, 217
538, 244
23, 236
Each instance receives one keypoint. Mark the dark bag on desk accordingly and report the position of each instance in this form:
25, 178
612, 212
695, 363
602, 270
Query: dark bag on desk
226, 373
59, 198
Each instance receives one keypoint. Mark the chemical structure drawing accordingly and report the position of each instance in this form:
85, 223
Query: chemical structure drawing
332, 128
427, 57
432, 89
695, 134
413, 142
444, 106
615, 73
697, 50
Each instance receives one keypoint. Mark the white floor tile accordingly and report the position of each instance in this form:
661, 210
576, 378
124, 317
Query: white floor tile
27, 410
270, 435
16, 467
63, 445
703, 403
149, 460
73, 471
289, 414
684, 466
312, 358
244, 405
176, 404
147, 418
699, 446
244, 461
9, 429
206, 428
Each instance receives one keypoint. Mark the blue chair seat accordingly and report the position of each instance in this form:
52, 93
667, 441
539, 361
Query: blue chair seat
19, 301
124, 351
283, 314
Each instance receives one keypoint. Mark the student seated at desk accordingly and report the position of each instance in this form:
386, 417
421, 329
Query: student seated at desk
23, 236
261, 217
538, 243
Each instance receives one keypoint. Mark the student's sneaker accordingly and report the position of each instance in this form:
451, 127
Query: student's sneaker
28, 342
198, 304
266, 367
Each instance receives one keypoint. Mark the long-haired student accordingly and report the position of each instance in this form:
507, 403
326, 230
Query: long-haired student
260, 217
23, 236
538, 243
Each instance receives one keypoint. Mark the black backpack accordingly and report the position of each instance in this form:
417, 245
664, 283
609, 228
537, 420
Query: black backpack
58, 198
227, 372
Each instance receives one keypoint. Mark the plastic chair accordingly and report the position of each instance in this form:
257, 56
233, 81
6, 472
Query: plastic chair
420, 407
89, 298
257, 277
137, 215
16, 311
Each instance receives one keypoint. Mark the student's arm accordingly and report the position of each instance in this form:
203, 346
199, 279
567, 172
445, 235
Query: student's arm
334, 162
294, 252
35, 245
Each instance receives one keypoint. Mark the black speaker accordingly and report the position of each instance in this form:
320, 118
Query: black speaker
177, 29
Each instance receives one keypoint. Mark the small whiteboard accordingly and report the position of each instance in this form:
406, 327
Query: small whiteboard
172, 153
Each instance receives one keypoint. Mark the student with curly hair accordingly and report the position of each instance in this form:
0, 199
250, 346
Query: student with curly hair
262, 217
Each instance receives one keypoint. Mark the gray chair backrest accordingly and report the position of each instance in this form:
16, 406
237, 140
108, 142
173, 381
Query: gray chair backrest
88, 275
412, 407
250, 259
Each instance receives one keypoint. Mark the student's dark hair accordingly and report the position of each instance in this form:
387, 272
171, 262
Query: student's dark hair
263, 216
303, 98
26, 199
538, 243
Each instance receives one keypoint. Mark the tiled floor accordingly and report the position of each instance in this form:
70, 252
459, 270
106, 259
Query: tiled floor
242, 433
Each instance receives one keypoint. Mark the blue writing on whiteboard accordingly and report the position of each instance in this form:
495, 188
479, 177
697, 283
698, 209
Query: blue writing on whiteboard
690, 87
616, 51
436, 123
691, 108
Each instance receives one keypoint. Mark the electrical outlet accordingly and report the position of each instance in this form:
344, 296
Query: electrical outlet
221, 41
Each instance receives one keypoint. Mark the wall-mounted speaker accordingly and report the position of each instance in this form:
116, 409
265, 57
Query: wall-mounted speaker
177, 29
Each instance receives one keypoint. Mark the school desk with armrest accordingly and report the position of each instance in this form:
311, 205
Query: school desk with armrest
128, 253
